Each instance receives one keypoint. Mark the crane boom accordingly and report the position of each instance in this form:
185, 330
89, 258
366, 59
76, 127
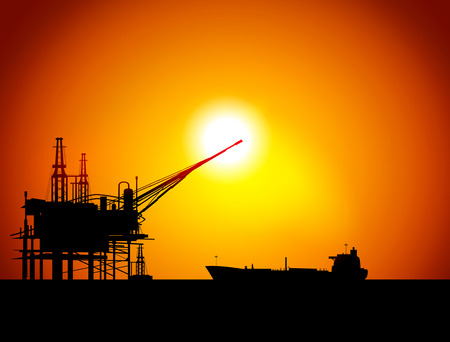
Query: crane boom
155, 190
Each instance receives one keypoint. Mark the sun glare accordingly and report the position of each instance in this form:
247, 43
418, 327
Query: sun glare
223, 132
219, 124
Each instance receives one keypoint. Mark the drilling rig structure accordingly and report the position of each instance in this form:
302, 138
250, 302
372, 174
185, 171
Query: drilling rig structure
94, 230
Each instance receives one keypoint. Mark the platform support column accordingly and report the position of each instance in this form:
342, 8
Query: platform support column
57, 265
70, 265
91, 266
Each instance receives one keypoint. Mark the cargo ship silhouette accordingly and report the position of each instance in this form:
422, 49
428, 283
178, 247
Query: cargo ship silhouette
345, 267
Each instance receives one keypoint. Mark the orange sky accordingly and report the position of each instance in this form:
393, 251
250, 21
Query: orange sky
352, 110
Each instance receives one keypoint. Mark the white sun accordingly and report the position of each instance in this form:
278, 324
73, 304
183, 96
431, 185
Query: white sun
221, 123
224, 131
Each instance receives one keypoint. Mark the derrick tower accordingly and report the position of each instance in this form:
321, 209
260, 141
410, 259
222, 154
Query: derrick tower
59, 176
83, 184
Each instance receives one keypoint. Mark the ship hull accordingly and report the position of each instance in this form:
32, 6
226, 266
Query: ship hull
223, 273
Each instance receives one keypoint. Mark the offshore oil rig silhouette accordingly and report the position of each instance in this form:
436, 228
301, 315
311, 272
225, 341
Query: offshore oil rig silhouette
94, 230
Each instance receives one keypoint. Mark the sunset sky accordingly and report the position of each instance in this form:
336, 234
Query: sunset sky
344, 105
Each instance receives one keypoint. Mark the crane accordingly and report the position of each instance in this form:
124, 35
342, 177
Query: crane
155, 190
